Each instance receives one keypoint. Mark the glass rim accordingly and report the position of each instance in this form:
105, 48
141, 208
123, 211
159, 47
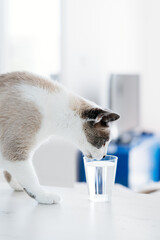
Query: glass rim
111, 158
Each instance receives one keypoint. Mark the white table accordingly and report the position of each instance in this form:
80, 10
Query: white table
129, 216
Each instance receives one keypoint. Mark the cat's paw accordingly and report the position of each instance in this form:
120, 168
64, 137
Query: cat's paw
47, 198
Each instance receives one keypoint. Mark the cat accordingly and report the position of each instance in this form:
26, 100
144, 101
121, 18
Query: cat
32, 109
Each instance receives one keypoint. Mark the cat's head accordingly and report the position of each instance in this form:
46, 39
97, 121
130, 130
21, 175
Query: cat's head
92, 134
96, 131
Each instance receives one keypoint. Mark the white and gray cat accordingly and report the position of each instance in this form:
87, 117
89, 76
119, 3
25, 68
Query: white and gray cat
32, 109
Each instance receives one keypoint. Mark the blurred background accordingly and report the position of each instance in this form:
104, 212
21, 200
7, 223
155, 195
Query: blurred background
105, 50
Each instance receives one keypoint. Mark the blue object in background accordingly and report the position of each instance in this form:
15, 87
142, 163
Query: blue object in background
122, 165
122, 151
155, 155
80, 168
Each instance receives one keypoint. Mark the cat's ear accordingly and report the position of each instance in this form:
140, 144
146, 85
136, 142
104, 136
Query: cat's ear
96, 115
106, 117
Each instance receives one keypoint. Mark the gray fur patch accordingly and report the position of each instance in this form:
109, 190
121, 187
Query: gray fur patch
20, 121
7, 176
97, 136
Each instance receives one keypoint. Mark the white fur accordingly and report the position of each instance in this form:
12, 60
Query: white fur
58, 119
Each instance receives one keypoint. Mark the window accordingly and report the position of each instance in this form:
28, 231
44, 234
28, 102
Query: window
34, 36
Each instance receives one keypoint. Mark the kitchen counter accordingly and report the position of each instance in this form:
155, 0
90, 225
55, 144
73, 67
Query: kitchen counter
128, 216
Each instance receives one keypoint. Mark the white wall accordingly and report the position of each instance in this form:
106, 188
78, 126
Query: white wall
55, 163
100, 37
151, 65
3, 36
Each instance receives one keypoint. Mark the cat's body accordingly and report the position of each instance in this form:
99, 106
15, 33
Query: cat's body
32, 109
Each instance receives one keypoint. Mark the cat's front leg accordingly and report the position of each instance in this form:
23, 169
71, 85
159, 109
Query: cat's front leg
27, 178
